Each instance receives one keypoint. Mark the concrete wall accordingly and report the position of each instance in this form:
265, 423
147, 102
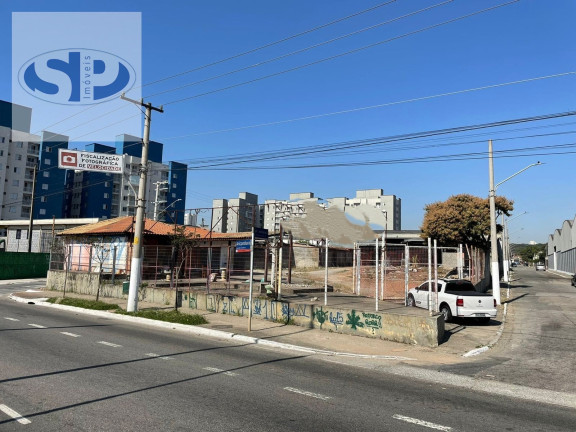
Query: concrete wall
410, 329
305, 256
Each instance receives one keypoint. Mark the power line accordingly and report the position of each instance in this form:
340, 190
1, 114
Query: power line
235, 56
341, 54
238, 158
442, 158
375, 106
299, 51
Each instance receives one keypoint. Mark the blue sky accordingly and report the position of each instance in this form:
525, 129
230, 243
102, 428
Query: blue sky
520, 41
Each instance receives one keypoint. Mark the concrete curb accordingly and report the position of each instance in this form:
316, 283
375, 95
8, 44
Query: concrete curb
494, 341
201, 331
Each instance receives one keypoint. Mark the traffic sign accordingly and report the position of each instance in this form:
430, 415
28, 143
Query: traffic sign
243, 245
261, 233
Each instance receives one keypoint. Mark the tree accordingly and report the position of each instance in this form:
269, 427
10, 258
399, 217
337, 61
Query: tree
463, 219
533, 253
183, 242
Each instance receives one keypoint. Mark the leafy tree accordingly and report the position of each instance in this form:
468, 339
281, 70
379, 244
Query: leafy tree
463, 219
533, 253
183, 242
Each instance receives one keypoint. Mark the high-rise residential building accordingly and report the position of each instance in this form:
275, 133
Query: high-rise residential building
370, 205
79, 194
236, 214
276, 211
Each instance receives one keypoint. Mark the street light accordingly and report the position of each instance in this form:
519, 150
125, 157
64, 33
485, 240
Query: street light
506, 245
494, 265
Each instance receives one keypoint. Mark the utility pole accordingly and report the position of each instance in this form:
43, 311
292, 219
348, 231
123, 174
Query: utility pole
31, 223
136, 265
494, 265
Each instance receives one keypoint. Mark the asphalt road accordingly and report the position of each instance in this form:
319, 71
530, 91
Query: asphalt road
62, 371
538, 345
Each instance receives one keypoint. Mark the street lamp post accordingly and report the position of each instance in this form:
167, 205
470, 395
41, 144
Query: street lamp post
494, 265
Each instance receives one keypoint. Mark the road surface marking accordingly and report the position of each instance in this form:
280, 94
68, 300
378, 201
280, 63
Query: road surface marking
11, 319
70, 334
307, 393
159, 356
422, 423
110, 344
14, 415
37, 326
211, 369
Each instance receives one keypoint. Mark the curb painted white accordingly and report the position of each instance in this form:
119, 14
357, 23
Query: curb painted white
201, 331
494, 341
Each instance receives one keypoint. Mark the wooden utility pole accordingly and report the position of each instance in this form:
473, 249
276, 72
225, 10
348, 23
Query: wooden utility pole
136, 265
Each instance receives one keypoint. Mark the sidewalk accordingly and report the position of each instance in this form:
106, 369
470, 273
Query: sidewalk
461, 337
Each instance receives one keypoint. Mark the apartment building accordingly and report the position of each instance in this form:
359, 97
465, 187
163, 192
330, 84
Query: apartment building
276, 211
372, 206
236, 214
80, 194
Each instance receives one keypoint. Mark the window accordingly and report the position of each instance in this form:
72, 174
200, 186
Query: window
3, 140
174, 185
43, 199
124, 209
47, 161
2, 151
174, 175
18, 157
48, 149
173, 195
42, 211
17, 169
15, 182
106, 184
46, 174
44, 186
12, 209
13, 196
19, 144
105, 206
106, 195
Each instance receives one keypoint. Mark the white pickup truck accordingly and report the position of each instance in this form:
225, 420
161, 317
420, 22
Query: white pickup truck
456, 298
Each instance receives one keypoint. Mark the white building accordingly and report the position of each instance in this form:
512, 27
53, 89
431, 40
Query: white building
373, 207
236, 214
277, 211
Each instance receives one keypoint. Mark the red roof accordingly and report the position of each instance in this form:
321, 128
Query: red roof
125, 225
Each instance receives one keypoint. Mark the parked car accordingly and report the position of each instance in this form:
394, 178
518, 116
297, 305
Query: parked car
574, 280
540, 267
456, 298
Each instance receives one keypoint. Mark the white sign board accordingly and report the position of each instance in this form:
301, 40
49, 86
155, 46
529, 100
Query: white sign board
89, 161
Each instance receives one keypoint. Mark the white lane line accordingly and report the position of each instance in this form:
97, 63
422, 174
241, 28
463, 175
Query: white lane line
110, 344
422, 423
11, 319
14, 414
37, 326
211, 369
307, 393
70, 334
159, 356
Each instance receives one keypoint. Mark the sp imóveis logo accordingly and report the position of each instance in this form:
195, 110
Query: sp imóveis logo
76, 76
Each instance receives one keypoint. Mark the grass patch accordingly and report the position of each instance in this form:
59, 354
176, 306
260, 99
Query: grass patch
169, 316
83, 303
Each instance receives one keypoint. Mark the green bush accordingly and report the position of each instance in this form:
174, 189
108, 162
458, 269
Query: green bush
83, 303
169, 316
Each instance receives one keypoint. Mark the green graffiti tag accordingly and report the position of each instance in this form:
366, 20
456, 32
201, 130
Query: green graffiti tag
354, 320
320, 315
372, 321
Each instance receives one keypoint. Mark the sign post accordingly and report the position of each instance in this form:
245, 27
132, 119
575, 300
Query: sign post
241, 247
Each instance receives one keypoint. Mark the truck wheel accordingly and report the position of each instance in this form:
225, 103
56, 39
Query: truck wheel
445, 310
411, 302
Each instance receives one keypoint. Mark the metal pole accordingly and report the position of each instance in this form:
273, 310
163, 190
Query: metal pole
251, 281
326, 275
460, 262
505, 261
382, 266
435, 275
406, 270
280, 264
376, 284
494, 266
31, 222
136, 265
354, 270
430, 275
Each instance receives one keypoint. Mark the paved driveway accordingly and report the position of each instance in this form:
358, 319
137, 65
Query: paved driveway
538, 346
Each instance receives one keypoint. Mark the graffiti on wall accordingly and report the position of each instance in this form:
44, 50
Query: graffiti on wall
320, 316
372, 321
